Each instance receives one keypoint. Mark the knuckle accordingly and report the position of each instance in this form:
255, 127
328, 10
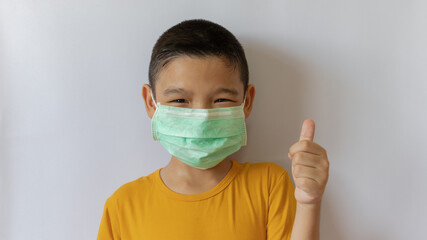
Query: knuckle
325, 164
324, 152
305, 143
324, 177
323, 181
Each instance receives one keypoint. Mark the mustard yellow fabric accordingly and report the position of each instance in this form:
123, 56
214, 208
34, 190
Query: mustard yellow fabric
253, 201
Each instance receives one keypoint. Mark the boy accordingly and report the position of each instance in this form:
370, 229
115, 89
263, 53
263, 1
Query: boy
198, 98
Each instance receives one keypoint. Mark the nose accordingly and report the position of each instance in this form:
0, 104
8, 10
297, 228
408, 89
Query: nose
201, 105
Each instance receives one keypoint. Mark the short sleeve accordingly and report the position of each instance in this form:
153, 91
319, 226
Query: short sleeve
109, 227
282, 208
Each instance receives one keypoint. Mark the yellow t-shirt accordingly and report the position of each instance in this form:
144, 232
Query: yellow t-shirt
253, 201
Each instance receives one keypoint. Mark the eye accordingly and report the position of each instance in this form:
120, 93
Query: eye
223, 100
179, 100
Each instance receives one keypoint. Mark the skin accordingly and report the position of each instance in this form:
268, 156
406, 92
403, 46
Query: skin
310, 170
200, 80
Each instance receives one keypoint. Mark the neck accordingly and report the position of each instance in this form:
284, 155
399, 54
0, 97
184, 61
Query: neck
179, 173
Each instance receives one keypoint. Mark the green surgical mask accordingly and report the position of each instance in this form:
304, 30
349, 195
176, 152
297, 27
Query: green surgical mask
201, 138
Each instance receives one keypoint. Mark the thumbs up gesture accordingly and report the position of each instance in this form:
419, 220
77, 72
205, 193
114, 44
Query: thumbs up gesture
310, 166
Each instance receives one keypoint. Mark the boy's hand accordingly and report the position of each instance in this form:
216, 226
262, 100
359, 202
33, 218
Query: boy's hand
310, 166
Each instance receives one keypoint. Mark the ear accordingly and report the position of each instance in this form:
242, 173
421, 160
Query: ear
149, 104
250, 96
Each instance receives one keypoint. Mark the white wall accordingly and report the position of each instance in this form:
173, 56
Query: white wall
74, 127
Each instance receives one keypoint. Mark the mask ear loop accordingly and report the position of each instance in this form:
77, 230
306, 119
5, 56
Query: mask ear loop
244, 101
244, 140
153, 120
153, 99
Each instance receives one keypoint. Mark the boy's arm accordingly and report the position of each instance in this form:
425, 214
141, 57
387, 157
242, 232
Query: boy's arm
310, 170
109, 226
306, 223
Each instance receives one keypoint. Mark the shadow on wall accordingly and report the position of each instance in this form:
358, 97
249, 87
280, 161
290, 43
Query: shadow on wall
277, 116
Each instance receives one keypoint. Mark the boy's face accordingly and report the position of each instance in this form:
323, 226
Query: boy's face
195, 82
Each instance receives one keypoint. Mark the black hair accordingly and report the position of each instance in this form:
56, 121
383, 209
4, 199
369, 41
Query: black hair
197, 37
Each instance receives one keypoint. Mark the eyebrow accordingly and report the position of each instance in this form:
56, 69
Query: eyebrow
170, 91
231, 91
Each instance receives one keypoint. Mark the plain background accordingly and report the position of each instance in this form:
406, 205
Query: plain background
74, 126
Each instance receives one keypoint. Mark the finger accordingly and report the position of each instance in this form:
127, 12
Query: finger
309, 160
301, 171
306, 146
307, 130
307, 185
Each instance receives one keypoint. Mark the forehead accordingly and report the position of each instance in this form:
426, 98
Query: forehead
199, 73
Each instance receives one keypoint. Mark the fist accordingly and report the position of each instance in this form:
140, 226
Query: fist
310, 166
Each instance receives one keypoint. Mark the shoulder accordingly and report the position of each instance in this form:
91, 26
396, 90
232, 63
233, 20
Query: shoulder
270, 169
132, 190
264, 173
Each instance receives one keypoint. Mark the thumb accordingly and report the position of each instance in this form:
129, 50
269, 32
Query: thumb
307, 130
